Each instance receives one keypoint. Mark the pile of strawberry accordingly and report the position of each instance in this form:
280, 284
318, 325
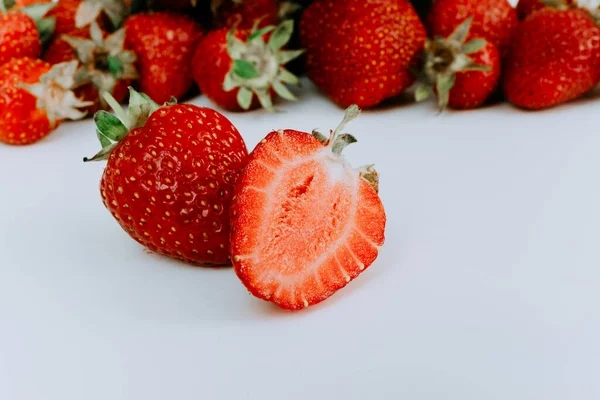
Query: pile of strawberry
293, 217
58, 57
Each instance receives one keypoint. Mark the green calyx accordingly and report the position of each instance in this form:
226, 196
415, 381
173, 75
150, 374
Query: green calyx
103, 60
257, 66
89, 11
443, 58
45, 25
338, 141
111, 129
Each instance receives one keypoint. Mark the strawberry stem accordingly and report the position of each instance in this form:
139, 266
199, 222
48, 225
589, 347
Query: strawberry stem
339, 142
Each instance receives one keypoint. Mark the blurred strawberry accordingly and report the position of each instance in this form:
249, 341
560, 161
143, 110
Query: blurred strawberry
164, 43
105, 66
22, 31
493, 20
73, 14
462, 73
243, 14
361, 52
34, 99
554, 58
244, 69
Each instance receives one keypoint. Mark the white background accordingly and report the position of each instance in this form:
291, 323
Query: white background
487, 286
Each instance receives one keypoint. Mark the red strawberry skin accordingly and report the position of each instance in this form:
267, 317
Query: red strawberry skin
210, 65
21, 122
242, 15
494, 20
361, 51
527, 7
60, 51
164, 43
169, 184
297, 237
472, 88
554, 58
64, 11
18, 37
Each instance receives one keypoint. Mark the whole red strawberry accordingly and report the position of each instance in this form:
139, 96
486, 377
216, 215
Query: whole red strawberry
526, 7
361, 51
104, 65
71, 15
243, 69
22, 31
164, 43
462, 73
493, 20
304, 223
170, 176
34, 99
243, 14
554, 58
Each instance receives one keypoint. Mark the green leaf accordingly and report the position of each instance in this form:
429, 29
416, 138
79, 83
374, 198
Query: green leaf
244, 69
37, 11
281, 35
444, 84
283, 91
341, 142
102, 154
265, 100
422, 93
140, 108
462, 31
229, 83
115, 66
473, 46
110, 126
45, 29
286, 76
285, 56
261, 32
104, 141
320, 137
244, 97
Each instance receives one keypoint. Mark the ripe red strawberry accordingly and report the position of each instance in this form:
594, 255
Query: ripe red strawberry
164, 43
493, 20
361, 52
22, 31
230, 67
75, 14
304, 223
170, 176
554, 58
242, 14
526, 7
463, 74
34, 99
104, 65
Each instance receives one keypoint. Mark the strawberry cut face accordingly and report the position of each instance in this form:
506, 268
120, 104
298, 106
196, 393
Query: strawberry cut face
304, 222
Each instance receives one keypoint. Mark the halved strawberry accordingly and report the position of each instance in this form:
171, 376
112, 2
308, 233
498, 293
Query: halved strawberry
304, 223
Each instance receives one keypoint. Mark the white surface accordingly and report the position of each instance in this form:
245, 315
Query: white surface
487, 286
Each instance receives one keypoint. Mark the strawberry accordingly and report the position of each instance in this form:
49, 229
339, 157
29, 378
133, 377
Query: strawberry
74, 14
554, 58
22, 31
170, 176
361, 51
104, 65
493, 20
463, 73
164, 43
304, 223
243, 14
230, 67
34, 99
527, 7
